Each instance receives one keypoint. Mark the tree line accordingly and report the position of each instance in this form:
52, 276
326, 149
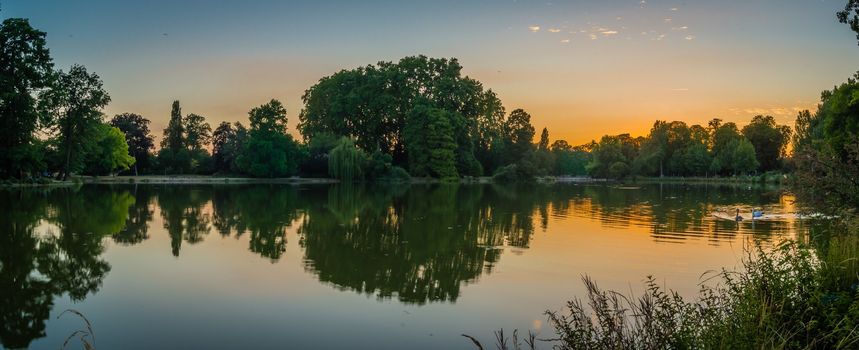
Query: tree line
418, 117
676, 149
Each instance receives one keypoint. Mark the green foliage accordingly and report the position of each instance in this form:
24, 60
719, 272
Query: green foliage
138, 137
744, 159
108, 151
269, 151
198, 133
520, 136
850, 16
75, 100
173, 156
346, 162
429, 143
26, 68
769, 139
612, 156
697, 159
223, 153
269, 155
522, 171
317, 149
372, 105
780, 299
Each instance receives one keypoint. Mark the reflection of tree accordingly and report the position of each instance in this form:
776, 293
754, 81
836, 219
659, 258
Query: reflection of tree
419, 244
263, 211
183, 215
37, 264
137, 226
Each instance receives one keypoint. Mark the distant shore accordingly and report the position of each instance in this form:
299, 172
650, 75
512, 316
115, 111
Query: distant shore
214, 179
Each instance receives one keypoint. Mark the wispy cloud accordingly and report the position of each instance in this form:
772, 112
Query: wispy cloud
680, 89
593, 37
534, 29
609, 32
565, 41
679, 28
785, 112
690, 37
554, 30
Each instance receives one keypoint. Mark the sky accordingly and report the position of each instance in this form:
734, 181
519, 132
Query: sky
580, 68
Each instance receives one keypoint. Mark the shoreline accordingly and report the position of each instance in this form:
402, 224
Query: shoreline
210, 179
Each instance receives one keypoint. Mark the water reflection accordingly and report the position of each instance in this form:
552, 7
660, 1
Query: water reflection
416, 244
64, 258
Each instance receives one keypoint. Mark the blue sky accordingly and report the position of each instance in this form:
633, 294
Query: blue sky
581, 68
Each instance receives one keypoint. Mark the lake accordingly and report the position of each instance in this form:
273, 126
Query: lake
336, 266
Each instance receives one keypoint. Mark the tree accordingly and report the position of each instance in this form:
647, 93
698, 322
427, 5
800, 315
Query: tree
545, 160
520, 136
697, 160
269, 151
661, 150
198, 134
346, 162
222, 154
75, 100
744, 158
611, 157
850, 16
835, 122
429, 143
137, 135
725, 139
174, 156
25, 70
769, 139
371, 106
109, 151
569, 160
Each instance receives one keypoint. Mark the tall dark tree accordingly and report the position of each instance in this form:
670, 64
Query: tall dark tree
173, 155
269, 151
198, 132
222, 155
25, 69
545, 160
769, 139
198, 135
520, 135
137, 135
430, 143
75, 101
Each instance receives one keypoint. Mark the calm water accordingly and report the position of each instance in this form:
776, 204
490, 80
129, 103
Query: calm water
278, 266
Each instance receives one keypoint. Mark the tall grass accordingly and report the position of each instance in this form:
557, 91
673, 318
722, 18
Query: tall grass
789, 297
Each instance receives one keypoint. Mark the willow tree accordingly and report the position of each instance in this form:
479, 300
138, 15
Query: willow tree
346, 162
